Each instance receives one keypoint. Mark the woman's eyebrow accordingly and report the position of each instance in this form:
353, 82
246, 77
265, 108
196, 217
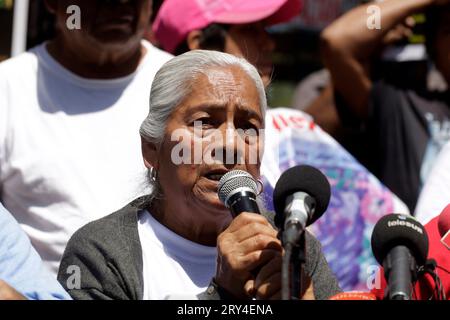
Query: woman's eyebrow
205, 107
250, 112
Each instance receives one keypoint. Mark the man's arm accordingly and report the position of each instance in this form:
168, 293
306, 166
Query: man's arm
348, 45
9, 293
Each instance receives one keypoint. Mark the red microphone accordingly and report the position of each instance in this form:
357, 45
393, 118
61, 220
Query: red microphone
444, 226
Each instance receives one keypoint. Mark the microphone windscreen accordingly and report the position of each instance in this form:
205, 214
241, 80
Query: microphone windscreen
396, 229
444, 221
235, 180
301, 178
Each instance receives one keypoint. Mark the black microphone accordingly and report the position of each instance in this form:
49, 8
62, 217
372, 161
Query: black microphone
300, 197
400, 245
237, 190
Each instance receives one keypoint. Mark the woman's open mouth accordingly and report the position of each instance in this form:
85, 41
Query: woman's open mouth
215, 175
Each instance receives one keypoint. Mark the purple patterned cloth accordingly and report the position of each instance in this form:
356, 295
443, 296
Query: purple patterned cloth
358, 199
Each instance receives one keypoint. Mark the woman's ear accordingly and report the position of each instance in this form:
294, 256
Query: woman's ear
193, 39
150, 154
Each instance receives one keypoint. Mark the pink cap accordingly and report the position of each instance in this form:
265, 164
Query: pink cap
176, 18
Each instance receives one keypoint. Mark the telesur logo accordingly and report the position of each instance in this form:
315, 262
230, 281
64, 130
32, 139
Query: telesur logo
402, 221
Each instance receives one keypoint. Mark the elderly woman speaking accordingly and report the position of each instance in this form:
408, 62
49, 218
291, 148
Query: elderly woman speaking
181, 240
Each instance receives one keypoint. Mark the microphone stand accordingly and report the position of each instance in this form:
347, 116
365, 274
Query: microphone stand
292, 268
298, 259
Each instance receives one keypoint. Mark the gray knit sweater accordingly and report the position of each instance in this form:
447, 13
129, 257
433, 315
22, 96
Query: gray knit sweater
109, 257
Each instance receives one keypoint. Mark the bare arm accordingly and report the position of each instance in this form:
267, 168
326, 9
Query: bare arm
9, 293
348, 46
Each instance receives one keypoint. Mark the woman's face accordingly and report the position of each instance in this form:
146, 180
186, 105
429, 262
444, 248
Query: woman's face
215, 129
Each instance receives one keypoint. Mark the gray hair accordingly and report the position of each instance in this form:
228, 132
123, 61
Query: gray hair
173, 83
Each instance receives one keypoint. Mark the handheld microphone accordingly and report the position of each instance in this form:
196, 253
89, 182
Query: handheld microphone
444, 226
400, 245
300, 197
237, 190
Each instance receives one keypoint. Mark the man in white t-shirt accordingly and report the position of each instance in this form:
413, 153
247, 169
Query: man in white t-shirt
70, 111
435, 195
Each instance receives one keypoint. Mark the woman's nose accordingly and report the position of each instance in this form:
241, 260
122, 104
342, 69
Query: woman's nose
229, 150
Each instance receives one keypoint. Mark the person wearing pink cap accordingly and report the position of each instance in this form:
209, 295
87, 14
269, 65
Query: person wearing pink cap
233, 26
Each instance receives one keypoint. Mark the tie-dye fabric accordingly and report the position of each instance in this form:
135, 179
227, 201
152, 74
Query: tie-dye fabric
358, 198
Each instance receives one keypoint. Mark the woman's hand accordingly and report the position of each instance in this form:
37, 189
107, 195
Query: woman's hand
9, 293
248, 244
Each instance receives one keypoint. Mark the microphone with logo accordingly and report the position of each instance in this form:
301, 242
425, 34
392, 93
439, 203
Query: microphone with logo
300, 197
400, 245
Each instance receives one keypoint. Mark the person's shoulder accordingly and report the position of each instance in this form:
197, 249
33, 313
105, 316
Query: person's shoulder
110, 227
21, 64
156, 55
386, 100
441, 97
313, 244
382, 88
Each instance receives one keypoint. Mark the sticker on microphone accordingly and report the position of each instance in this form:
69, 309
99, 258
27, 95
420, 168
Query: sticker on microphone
446, 240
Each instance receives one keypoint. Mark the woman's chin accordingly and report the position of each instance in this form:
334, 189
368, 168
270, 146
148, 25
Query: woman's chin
212, 200
205, 194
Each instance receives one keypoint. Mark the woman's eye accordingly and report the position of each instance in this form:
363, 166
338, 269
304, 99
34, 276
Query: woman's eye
251, 127
201, 122
204, 125
207, 122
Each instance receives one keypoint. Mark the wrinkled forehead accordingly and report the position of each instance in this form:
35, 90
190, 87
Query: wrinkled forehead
220, 77
227, 83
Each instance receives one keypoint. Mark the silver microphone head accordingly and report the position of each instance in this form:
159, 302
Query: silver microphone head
236, 181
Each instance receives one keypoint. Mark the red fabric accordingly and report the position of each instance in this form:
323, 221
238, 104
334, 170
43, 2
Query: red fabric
437, 251
354, 296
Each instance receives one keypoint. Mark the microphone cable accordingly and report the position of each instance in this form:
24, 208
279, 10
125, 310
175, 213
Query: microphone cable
430, 268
